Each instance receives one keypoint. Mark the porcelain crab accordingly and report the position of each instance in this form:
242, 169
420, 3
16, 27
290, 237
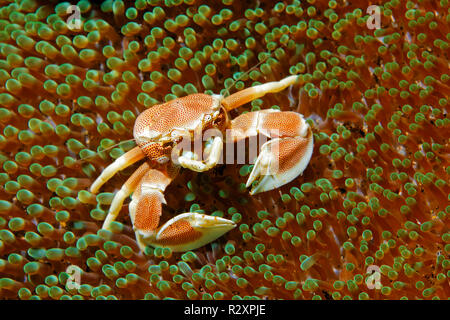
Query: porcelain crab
157, 132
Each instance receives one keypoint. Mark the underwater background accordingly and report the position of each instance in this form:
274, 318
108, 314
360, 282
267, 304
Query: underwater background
368, 219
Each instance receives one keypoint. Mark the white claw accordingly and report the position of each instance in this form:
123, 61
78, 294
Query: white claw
266, 172
261, 168
254, 174
265, 184
264, 166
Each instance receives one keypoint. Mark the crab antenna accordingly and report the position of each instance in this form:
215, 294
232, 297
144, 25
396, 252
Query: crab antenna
109, 148
242, 97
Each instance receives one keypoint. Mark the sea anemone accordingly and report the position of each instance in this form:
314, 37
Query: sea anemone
367, 219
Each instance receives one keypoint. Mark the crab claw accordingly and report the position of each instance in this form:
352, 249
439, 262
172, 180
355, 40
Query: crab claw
188, 231
280, 161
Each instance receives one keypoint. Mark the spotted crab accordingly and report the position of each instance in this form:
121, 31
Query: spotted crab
157, 132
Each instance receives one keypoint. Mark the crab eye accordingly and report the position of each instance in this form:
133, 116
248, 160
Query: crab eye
208, 118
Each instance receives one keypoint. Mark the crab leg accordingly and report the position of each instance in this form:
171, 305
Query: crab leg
281, 159
120, 163
242, 97
184, 232
128, 188
146, 204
